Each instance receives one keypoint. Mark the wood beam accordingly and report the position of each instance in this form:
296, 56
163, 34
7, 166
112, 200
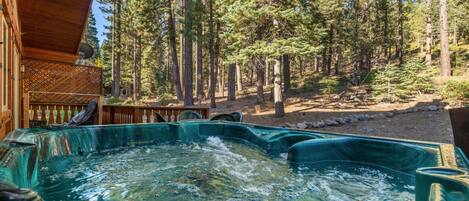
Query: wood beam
49, 55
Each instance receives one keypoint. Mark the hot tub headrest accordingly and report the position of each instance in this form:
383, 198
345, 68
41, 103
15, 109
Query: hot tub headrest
395, 155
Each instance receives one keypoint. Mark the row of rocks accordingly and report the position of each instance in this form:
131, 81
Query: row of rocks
336, 121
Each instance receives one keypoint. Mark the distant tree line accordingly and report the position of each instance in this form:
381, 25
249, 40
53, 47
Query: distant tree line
191, 48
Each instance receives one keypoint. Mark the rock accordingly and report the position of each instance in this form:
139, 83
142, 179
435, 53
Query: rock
363, 117
302, 125
433, 108
341, 120
389, 114
319, 124
331, 122
347, 119
289, 125
309, 124
353, 118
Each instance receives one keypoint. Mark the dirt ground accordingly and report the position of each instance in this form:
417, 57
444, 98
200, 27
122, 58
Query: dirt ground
427, 126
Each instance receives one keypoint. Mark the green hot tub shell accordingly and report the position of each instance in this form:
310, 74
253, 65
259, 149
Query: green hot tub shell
440, 169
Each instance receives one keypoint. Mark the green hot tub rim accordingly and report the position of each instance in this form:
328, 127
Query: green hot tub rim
23, 150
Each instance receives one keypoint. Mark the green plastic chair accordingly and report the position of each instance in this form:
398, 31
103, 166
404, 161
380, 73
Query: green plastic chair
159, 118
238, 116
188, 115
223, 117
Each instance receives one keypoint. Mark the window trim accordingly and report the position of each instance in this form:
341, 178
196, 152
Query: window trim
5, 60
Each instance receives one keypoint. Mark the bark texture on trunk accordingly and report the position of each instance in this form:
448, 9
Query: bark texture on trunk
428, 33
239, 78
116, 54
199, 71
286, 74
174, 56
231, 82
400, 44
266, 77
212, 57
188, 94
137, 67
260, 81
444, 53
278, 99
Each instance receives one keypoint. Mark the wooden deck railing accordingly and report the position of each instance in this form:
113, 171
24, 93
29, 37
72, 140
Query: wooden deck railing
59, 112
113, 114
56, 112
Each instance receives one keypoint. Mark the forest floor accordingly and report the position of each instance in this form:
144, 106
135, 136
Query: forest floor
425, 125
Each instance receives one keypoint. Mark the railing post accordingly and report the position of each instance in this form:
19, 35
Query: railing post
100, 109
26, 110
135, 115
111, 115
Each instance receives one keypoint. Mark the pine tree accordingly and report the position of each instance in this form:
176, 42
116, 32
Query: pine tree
91, 38
444, 52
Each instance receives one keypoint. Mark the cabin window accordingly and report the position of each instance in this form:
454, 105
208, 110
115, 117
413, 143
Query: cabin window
4, 65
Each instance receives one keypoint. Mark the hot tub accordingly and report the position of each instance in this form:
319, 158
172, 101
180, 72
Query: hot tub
218, 160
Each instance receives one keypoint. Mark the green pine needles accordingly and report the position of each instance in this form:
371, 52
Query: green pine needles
393, 84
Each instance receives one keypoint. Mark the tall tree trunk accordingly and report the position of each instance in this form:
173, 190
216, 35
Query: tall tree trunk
231, 81
199, 74
260, 81
218, 68
137, 67
400, 44
301, 65
181, 42
386, 31
221, 80
188, 96
212, 56
278, 98
266, 77
444, 53
316, 63
174, 56
251, 75
455, 34
286, 74
337, 60
429, 33
116, 68
329, 51
239, 78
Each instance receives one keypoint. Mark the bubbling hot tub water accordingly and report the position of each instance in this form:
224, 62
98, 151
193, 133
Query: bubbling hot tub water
214, 169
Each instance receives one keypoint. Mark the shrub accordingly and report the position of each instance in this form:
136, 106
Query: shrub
329, 85
456, 90
165, 98
113, 101
396, 84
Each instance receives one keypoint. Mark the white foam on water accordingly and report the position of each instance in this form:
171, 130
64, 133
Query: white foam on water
215, 169
217, 142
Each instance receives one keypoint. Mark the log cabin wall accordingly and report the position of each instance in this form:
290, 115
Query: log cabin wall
10, 67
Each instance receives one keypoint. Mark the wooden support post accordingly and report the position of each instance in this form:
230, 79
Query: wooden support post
100, 109
257, 109
460, 123
135, 116
26, 110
